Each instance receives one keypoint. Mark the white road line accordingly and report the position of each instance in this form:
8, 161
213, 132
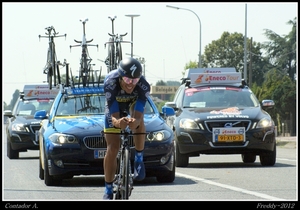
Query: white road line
260, 195
286, 159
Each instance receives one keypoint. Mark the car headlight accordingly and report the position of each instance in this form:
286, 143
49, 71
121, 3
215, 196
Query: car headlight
19, 127
158, 135
265, 122
60, 138
188, 124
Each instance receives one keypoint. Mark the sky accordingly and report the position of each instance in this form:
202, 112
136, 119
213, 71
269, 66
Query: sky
167, 39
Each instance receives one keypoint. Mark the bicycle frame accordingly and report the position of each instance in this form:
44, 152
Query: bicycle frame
51, 68
85, 60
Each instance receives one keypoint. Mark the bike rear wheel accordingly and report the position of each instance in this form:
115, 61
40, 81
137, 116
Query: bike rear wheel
111, 55
52, 79
119, 56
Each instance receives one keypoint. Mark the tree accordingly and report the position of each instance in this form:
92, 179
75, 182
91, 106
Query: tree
15, 98
280, 88
228, 51
281, 50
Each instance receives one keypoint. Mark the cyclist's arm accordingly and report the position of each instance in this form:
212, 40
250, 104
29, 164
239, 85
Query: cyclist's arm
117, 120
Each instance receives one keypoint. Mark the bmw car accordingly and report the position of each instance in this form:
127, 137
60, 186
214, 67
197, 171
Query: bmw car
217, 113
72, 141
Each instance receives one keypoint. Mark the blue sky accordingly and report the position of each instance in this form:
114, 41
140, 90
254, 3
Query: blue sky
166, 38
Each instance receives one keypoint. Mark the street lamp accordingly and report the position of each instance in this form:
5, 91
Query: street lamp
132, 16
199, 63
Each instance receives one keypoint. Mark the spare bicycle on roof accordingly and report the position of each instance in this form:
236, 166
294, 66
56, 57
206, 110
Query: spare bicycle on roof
114, 55
52, 65
85, 71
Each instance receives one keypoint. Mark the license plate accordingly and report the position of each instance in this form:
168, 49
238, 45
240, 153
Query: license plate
223, 138
99, 154
235, 134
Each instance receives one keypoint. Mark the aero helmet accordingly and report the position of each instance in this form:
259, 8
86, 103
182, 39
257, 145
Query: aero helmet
130, 67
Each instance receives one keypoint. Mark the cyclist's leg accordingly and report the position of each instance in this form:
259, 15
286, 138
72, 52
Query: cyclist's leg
110, 159
139, 141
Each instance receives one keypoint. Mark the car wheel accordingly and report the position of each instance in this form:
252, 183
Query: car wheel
48, 179
41, 170
248, 158
11, 154
181, 160
268, 158
169, 176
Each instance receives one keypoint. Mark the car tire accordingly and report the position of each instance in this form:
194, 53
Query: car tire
248, 158
268, 158
48, 179
11, 154
169, 176
181, 160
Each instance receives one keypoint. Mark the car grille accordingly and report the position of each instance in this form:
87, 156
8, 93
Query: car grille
99, 142
221, 124
34, 128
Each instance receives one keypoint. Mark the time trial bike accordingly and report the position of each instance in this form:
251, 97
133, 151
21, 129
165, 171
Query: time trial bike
114, 48
52, 65
85, 60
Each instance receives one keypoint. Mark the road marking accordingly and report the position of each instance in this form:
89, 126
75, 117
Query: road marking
285, 159
260, 195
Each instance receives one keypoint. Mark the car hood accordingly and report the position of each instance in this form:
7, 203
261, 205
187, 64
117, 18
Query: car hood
25, 120
92, 125
220, 113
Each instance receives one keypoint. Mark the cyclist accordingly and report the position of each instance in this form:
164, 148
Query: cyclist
126, 91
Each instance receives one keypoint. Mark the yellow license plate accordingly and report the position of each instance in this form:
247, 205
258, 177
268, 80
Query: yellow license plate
230, 138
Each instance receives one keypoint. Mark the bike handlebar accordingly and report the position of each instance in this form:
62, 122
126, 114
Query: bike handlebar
51, 35
115, 35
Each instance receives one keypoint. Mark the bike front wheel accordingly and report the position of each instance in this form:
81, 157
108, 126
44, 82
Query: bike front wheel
126, 174
123, 185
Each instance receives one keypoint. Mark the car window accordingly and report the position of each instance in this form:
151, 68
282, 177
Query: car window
29, 107
148, 108
179, 96
218, 97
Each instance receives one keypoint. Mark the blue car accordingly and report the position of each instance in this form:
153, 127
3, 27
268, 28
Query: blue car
72, 143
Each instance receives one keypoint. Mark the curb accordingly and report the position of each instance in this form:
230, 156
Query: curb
289, 138
287, 142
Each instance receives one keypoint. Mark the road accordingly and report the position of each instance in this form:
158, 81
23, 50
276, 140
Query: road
207, 178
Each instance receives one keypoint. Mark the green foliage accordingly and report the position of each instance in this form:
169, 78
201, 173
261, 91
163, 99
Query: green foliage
159, 105
161, 83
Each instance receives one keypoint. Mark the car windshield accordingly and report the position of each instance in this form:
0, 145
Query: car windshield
81, 104
29, 107
219, 97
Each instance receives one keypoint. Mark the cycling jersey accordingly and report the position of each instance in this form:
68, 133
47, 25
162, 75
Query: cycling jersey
117, 100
